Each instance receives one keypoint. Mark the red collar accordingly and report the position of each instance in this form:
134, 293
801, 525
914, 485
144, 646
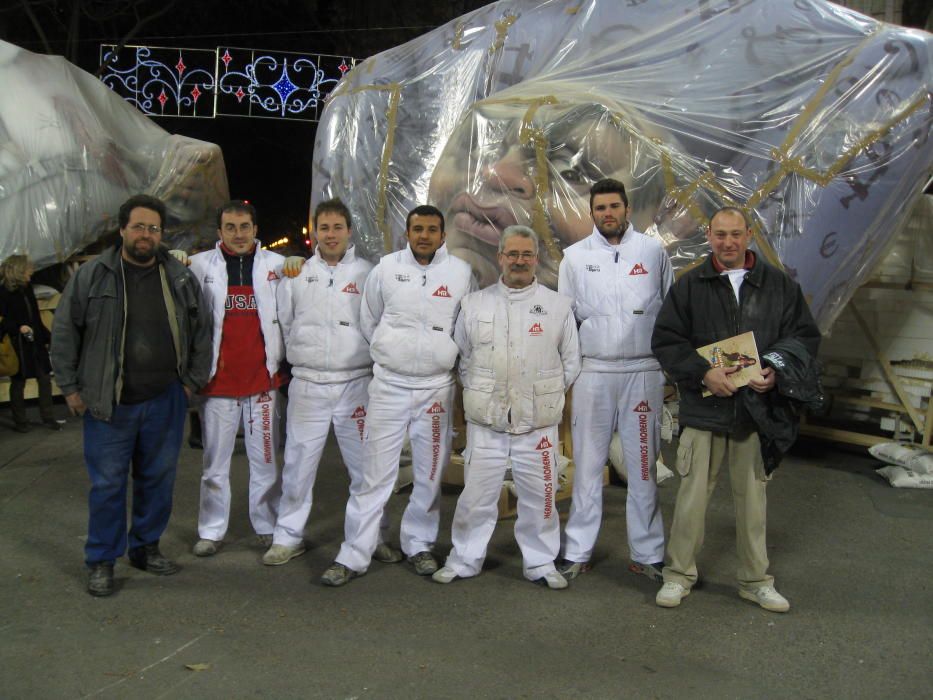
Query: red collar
747, 265
232, 254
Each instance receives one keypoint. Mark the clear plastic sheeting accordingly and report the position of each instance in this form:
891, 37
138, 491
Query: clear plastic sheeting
71, 151
813, 118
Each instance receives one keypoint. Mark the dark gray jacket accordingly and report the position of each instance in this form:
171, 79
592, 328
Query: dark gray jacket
700, 309
87, 335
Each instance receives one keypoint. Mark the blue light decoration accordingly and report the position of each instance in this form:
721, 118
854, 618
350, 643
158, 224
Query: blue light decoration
162, 82
276, 84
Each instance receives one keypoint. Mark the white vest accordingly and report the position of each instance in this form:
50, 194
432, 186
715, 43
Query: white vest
408, 315
519, 355
210, 268
319, 311
616, 293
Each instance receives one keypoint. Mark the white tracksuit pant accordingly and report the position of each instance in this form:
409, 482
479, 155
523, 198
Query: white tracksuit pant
222, 417
312, 407
534, 471
601, 402
426, 414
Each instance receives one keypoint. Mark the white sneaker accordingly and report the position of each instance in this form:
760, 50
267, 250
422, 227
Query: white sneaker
671, 594
444, 575
553, 580
767, 597
279, 554
205, 548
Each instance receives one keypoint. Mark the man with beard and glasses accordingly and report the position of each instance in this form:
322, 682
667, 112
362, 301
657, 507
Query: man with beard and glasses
519, 354
410, 303
130, 344
617, 279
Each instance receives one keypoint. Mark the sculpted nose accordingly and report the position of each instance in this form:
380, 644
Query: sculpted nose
508, 176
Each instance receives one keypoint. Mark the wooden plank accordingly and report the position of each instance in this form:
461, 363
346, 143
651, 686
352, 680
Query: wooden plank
889, 374
845, 436
870, 403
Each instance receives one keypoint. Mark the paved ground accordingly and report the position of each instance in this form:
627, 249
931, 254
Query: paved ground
852, 554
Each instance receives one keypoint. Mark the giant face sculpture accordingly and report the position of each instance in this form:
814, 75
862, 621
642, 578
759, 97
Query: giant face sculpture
71, 151
812, 117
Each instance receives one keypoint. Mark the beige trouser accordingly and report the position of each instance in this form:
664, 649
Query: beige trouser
700, 455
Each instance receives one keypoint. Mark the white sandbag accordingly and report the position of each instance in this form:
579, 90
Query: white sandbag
913, 457
899, 477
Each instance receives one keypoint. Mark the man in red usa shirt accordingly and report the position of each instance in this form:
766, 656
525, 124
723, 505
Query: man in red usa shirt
239, 280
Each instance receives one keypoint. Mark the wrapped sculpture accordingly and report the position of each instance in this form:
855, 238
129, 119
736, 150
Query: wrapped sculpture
812, 117
71, 151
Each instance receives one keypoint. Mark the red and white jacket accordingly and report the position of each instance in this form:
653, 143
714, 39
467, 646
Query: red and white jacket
616, 293
210, 269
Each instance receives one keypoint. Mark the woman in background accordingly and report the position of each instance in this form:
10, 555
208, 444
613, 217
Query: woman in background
21, 321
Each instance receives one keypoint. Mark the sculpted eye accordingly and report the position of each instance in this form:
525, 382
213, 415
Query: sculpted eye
573, 176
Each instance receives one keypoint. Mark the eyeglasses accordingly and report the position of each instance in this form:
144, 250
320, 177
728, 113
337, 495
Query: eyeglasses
151, 228
525, 256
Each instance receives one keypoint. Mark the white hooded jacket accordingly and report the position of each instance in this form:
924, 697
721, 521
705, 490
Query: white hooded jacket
408, 316
319, 311
210, 268
616, 293
519, 353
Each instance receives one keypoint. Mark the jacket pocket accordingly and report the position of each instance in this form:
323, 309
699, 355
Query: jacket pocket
548, 401
477, 397
685, 452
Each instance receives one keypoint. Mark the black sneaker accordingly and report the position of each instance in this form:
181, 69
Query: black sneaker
21, 427
100, 579
149, 558
52, 424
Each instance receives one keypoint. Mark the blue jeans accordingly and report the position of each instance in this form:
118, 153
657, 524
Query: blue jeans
147, 435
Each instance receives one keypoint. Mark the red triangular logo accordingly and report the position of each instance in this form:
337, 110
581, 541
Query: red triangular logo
360, 412
264, 398
436, 408
272, 276
536, 329
545, 444
639, 269
441, 292
643, 407
351, 288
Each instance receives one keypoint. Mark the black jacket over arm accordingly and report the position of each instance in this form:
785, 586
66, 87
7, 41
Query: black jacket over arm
701, 309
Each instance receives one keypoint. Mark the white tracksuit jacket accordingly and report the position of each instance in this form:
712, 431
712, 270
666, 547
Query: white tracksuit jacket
210, 268
519, 355
408, 316
319, 312
617, 293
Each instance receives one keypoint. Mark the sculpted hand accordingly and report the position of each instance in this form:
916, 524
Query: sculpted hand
765, 383
292, 266
717, 381
75, 404
181, 256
